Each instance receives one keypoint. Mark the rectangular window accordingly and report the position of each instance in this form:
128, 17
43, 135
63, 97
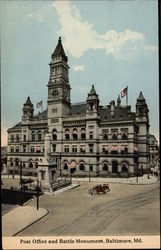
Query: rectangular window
91, 148
105, 149
24, 137
82, 148
17, 149
17, 138
74, 149
54, 148
32, 149
54, 111
90, 135
38, 149
66, 149
12, 138
24, 148
91, 168
12, 149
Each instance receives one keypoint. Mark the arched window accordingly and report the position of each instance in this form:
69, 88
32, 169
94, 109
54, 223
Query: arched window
33, 136
72, 167
54, 135
114, 135
105, 166
39, 135
81, 166
30, 163
67, 134
124, 167
66, 165
83, 133
114, 167
75, 134
105, 135
124, 135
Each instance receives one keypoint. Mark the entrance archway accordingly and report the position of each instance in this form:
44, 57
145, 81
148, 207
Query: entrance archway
114, 167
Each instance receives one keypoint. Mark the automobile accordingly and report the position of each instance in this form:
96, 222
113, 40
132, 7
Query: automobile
99, 189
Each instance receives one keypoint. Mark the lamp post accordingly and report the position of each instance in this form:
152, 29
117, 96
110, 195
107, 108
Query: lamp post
37, 194
21, 179
89, 171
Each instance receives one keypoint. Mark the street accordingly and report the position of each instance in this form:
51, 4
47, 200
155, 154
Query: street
125, 210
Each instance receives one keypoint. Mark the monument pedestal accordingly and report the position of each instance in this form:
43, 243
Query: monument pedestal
47, 175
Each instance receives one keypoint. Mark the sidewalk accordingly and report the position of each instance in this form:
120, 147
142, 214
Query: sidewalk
142, 180
20, 218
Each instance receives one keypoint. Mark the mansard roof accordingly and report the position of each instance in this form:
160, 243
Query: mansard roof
120, 113
78, 108
59, 50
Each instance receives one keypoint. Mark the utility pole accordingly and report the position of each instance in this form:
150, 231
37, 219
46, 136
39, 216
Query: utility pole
21, 180
37, 200
89, 171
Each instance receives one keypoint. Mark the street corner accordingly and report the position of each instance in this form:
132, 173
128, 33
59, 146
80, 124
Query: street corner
20, 218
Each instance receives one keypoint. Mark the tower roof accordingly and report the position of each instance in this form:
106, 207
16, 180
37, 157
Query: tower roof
141, 97
28, 101
93, 91
59, 50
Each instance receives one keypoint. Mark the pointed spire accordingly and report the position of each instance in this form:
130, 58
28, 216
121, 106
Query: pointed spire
141, 97
28, 101
59, 50
118, 101
92, 91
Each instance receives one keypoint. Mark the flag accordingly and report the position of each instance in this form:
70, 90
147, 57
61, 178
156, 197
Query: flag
124, 92
39, 104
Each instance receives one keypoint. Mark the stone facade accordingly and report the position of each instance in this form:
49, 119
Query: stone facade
89, 138
153, 148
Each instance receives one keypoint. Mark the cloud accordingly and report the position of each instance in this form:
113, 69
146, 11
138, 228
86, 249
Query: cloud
4, 137
37, 16
84, 37
78, 67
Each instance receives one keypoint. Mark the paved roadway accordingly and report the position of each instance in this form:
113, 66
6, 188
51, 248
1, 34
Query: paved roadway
125, 210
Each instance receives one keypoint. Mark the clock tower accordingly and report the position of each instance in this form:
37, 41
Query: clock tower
58, 87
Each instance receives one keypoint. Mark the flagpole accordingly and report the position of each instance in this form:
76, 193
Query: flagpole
127, 96
42, 106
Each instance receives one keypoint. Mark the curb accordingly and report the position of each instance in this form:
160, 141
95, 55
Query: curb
47, 212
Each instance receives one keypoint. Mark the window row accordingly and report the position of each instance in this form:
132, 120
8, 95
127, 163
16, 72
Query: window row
105, 148
31, 163
81, 166
33, 149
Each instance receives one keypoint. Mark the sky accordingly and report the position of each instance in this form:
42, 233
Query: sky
110, 44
